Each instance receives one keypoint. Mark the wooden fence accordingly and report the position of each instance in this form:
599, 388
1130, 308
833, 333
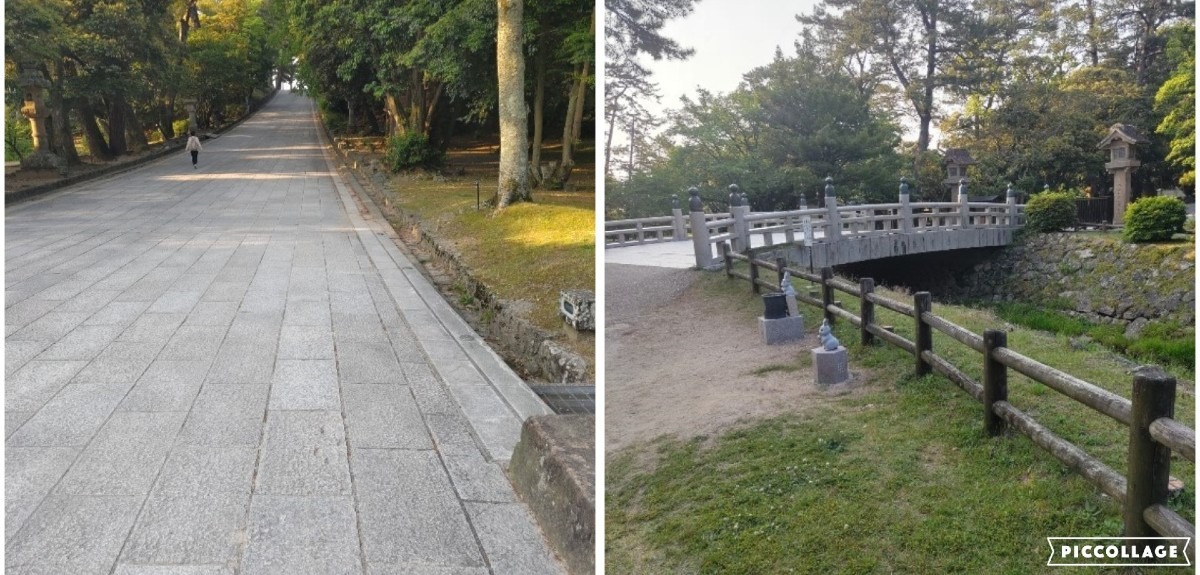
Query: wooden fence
1142, 492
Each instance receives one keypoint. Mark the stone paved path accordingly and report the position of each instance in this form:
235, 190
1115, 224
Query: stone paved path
234, 370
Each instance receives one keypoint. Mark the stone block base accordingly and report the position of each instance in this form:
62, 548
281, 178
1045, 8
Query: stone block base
553, 471
831, 367
781, 330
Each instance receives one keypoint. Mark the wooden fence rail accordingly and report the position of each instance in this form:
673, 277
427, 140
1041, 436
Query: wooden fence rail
1142, 491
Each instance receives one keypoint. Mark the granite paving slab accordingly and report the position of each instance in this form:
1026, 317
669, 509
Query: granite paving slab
235, 370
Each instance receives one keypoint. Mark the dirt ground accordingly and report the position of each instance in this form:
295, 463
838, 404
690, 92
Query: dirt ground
678, 363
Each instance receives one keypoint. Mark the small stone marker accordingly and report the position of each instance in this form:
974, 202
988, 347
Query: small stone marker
831, 361
786, 328
578, 308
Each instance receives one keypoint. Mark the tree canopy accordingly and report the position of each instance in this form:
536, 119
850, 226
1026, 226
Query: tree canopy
1028, 88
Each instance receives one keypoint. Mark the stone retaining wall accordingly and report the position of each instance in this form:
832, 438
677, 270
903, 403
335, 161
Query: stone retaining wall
1096, 277
527, 347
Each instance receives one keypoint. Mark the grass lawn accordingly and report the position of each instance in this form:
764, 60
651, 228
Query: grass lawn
898, 479
527, 253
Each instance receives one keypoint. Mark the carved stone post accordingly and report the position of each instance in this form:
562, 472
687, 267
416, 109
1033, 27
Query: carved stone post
700, 243
679, 232
833, 232
906, 223
1011, 197
964, 207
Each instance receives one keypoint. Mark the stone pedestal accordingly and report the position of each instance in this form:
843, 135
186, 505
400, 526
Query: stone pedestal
781, 330
831, 367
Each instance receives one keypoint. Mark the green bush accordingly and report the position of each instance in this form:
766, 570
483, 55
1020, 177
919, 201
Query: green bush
180, 127
1154, 219
1050, 212
410, 151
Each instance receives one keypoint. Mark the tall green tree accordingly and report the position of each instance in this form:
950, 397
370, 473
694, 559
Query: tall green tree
1176, 102
510, 69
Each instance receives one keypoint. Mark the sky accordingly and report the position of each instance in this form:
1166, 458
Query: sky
730, 38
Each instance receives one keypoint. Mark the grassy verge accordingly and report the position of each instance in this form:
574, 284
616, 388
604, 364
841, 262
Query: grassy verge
900, 478
1170, 344
527, 253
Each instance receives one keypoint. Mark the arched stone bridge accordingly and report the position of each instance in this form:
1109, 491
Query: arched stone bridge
819, 237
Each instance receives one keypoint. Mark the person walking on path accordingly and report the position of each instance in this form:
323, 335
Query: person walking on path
193, 146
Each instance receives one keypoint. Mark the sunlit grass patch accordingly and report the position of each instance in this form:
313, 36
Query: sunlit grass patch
530, 251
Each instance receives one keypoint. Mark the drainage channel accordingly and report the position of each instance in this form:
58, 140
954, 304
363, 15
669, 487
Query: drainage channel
568, 398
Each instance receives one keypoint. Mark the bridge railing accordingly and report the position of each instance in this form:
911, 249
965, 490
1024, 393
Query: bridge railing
635, 231
809, 226
1142, 491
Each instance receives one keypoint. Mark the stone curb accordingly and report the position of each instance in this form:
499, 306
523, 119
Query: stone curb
497, 432
540, 356
553, 470
168, 149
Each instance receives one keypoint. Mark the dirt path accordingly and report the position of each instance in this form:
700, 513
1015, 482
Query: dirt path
678, 364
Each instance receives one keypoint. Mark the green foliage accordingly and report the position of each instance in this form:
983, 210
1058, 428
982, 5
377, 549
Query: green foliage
412, 150
1159, 342
1176, 101
1050, 212
18, 138
1154, 218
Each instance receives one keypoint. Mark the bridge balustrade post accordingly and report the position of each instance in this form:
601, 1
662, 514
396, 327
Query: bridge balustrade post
1149, 461
833, 228
679, 233
906, 220
1011, 197
964, 206
700, 243
741, 233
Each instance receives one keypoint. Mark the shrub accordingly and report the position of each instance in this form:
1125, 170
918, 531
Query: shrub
1050, 212
1153, 219
410, 151
180, 127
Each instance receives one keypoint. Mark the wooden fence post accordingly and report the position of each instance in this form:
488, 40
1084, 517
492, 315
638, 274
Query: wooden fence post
866, 310
921, 304
753, 273
780, 263
827, 294
1149, 461
727, 259
995, 381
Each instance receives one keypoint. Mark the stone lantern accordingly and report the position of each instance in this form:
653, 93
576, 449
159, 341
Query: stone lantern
189, 104
1121, 143
33, 85
956, 161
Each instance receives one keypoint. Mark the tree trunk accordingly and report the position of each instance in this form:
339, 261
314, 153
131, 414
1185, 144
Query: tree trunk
91, 133
166, 119
116, 126
60, 120
396, 123
510, 69
574, 125
134, 132
539, 100
1092, 34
